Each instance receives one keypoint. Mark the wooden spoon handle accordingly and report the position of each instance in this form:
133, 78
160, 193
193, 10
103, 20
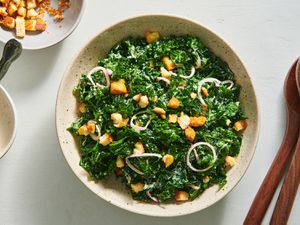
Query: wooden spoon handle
288, 190
267, 189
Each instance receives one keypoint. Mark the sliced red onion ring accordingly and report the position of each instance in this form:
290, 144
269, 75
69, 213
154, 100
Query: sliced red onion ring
151, 197
192, 149
228, 82
140, 155
106, 72
98, 129
193, 70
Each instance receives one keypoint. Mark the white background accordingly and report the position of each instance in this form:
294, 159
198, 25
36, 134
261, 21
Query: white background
37, 186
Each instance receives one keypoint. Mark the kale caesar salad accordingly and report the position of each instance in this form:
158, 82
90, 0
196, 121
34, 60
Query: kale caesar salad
162, 114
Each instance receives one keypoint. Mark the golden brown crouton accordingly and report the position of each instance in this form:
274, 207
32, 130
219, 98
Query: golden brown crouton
137, 97
173, 103
40, 25
197, 121
205, 179
168, 160
160, 111
5, 1
20, 26
83, 130
229, 161
138, 148
82, 107
120, 162
181, 196
137, 187
30, 25
105, 139
190, 134
17, 2
165, 73
31, 14
240, 125
22, 11
172, 118
204, 91
118, 87
3, 11
91, 126
183, 121
31, 4
12, 8
118, 120
9, 22
168, 63
151, 36
143, 101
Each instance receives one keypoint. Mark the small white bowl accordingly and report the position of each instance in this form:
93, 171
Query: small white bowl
8, 121
54, 33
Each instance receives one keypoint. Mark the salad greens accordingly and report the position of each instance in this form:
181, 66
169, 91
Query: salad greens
148, 104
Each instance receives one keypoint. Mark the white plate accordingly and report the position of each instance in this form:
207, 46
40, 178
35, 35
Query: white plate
54, 33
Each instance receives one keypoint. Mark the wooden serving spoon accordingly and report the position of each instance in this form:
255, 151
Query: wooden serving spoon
267, 189
291, 181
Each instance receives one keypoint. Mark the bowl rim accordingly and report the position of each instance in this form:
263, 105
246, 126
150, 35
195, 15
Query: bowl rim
52, 43
106, 28
15, 120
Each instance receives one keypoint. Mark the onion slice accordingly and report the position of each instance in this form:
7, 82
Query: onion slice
152, 197
136, 127
192, 149
193, 70
106, 72
164, 79
228, 82
131, 166
198, 62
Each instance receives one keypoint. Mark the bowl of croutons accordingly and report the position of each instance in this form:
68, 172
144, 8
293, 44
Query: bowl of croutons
39, 24
157, 115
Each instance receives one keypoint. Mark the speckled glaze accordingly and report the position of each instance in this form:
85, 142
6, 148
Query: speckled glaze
8, 122
54, 33
98, 47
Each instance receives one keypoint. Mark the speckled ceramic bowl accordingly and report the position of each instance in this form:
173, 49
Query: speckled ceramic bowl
54, 33
8, 122
98, 47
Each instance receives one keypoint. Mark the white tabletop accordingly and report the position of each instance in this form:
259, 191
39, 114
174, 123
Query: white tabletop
36, 184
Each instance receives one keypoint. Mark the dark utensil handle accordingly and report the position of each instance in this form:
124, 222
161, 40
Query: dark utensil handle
288, 190
267, 189
12, 50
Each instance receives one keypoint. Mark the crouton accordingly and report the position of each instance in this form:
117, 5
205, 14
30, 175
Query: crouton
173, 103
91, 126
137, 187
40, 25
181, 196
137, 97
31, 4
12, 8
9, 22
172, 118
165, 73
3, 11
143, 101
120, 162
160, 111
5, 1
190, 134
105, 139
168, 160
240, 125
118, 120
229, 161
22, 11
83, 130
20, 26
183, 121
204, 91
152, 36
118, 87
197, 121
82, 107
205, 179
168, 63
31, 14
138, 148
30, 25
